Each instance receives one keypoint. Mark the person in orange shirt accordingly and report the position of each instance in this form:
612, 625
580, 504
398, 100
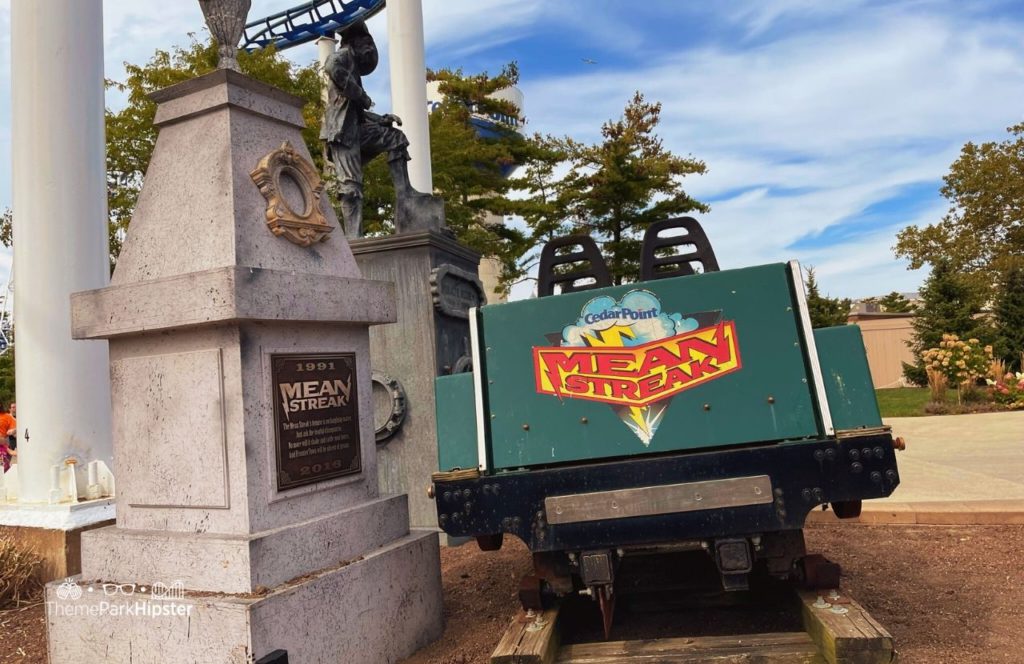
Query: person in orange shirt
8, 429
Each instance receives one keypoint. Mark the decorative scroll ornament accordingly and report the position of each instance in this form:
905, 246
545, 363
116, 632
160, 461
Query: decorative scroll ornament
226, 21
390, 393
455, 291
285, 166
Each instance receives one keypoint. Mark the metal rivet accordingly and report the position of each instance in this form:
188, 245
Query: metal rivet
857, 467
876, 477
854, 454
698, 497
819, 455
879, 452
526, 427
771, 399
615, 505
707, 406
583, 420
757, 491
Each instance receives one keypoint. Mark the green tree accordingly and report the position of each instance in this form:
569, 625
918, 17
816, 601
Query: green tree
824, 311
7, 375
615, 189
1009, 317
984, 227
7, 228
950, 304
473, 168
894, 303
131, 135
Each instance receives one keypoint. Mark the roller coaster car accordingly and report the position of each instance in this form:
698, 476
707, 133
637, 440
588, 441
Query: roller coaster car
695, 409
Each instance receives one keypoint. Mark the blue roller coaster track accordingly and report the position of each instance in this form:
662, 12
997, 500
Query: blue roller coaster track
307, 22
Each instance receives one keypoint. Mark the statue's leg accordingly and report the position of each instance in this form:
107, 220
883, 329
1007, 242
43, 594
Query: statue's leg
348, 168
399, 167
352, 215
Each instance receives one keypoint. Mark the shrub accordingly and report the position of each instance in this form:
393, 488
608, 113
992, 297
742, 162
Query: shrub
1008, 390
961, 362
915, 375
938, 384
19, 574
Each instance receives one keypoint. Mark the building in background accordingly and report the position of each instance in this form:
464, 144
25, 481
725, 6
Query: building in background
886, 338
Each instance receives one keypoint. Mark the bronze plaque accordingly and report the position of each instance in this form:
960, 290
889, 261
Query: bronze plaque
316, 417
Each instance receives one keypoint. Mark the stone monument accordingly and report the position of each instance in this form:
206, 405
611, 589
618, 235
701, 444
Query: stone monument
248, 514
437, 283
436, 277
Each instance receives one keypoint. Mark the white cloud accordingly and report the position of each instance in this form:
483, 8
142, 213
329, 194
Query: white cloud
845, 116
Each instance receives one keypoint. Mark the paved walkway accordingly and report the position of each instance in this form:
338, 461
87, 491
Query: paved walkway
956, 469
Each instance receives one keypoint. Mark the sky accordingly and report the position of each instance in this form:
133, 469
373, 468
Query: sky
826, 126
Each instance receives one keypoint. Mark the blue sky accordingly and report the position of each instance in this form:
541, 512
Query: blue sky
826, 126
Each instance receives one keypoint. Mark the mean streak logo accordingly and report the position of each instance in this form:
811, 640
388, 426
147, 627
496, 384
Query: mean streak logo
634, 357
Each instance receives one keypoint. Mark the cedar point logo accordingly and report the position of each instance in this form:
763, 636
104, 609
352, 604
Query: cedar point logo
634, 357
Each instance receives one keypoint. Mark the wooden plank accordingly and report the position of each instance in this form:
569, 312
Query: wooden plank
524, 643
850, 638
774, 648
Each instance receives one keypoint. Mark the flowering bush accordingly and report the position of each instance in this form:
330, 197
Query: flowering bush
1009, 390
962, 362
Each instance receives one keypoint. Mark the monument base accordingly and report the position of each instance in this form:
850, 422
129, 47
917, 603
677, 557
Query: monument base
243, 563
332, 615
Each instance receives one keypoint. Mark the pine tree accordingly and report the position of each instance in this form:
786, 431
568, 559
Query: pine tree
950, 304
476, 170
825, 311
618, 187
894, 303
1009, 317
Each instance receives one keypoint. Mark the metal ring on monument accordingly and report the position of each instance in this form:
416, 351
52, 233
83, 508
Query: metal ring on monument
389, 406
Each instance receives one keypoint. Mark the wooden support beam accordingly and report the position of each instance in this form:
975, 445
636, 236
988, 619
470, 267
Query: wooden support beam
529, 640
775, 648
853, 637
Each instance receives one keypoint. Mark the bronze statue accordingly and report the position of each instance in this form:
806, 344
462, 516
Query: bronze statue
355, 135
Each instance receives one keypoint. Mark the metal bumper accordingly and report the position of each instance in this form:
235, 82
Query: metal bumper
668, 498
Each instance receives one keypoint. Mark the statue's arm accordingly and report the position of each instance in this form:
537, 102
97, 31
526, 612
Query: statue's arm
341, 71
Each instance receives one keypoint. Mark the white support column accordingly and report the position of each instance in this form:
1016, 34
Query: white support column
409, 85
324, 47
60, 230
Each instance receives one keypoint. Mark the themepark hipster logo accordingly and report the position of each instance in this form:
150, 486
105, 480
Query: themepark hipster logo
634, 357
120, 599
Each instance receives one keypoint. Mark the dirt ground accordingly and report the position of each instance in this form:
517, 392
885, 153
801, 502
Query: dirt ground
946, 593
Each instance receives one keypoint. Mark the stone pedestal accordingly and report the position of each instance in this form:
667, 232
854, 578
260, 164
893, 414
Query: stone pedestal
235, 535
436, 282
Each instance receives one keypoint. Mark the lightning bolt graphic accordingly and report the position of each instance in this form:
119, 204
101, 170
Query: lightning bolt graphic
641, 420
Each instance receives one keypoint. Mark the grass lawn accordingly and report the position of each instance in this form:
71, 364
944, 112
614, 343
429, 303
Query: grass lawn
906, 401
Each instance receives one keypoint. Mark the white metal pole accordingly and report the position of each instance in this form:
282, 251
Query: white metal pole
409, 85
324, 47
60, 231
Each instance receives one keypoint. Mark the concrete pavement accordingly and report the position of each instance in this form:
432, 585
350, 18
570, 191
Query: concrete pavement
957, 469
